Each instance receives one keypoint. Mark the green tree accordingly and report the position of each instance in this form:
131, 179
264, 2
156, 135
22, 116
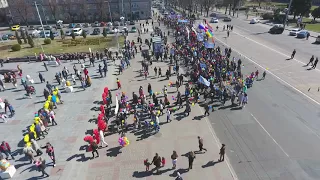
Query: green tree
62, 34
51, 35
84, 34
73, 35
104, 32
316, 13
23, 36
30, 41
18, 37
300, 7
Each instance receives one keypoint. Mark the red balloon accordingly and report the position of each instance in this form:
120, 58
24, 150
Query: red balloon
102, 109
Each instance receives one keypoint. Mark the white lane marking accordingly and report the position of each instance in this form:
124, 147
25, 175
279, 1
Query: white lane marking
270, 136
285, 55
218, 143
283, 81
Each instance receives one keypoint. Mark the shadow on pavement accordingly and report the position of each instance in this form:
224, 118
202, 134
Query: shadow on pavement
210, 163
113, 152
181, 171
141, 174
80, 157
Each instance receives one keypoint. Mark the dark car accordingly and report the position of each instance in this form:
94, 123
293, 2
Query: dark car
276, 29
227, 19
131, 23
31, 28
96, 31
213, 15
47, 27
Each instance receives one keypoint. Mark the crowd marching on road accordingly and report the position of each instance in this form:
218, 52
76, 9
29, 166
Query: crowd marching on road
203, 75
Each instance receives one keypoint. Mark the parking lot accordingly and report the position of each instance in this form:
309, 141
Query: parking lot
94, 29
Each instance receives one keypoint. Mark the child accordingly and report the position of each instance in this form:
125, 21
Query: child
118, 84
73, 79
147, 164
163, 161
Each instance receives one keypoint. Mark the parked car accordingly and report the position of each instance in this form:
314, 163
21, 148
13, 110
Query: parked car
116, 23
72, 25
31, 28
132, 23
35, 33
15, 27
86, 25
114, 29
96, 31
96, 24
254, 21
86, 30
294, 32
108, 30
276, 29
8, 37
102, 24
302, 34
124, 29
77, 31
59, 26
44, 34
68, 33
227, 19
47, 27
133, 29
214, 20
213, 15
78, 25
318, 40
109, 24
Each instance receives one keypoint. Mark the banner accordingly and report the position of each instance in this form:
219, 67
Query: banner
202, 80
117, 106
200, 37
209, 45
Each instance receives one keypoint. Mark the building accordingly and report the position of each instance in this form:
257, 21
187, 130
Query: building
24, 11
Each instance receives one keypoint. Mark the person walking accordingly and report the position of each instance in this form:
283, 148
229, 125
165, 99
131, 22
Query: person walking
174, 158
293, 53
222, 152
102, 138
36, 147
28, 152
94, 148
315, 63
41, 164
50, 152
200, 141
168, 115
206, 110
191, 158
6, 149
157, 162
310, 61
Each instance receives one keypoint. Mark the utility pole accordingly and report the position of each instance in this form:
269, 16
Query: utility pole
287, 14
35, 3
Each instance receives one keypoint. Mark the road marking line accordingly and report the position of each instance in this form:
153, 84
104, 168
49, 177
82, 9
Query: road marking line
283, 81
285, 55
270, 135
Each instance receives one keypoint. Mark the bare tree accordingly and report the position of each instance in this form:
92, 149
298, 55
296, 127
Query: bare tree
207, 4
24, 10
101, 6
83, 12
53, 8
68, 7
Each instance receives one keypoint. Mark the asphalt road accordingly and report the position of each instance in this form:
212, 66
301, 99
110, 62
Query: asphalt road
276, 136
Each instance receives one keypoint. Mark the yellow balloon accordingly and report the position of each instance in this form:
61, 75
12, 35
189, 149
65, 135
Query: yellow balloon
192, 104
29, 144
151, 123
68, 83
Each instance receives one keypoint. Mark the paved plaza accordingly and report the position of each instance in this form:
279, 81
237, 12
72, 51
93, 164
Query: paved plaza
77, 117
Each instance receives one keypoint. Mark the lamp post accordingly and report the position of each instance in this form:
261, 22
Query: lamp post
116, 31
287, 14
44, 15
110, 14
35, 3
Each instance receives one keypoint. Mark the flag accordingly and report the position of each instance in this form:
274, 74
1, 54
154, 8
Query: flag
208, 34
201, 26
202, 80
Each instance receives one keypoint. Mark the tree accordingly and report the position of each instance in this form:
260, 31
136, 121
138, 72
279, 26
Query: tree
23, 36
73, 35
316, 13
51, 35
53, 8
30, 41
62, 34
24, 10
101, 7
207, 4
300, 7
18, 37
104, 32
84, 34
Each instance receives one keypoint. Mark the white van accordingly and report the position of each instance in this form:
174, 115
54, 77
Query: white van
77, 31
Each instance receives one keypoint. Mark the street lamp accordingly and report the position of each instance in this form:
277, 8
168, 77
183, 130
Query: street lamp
116, 31
110, 14
35, 3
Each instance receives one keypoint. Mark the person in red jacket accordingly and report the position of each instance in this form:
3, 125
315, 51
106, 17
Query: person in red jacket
6, 149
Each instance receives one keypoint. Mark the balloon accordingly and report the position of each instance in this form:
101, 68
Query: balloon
88, 139
151, 123
26, 138
49, 98
193, 104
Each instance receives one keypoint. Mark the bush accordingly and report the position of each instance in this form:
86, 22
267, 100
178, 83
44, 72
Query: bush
16, 47
104, 32
30, 41
47, 41
267, 16
84, 34
73, 35
62, 34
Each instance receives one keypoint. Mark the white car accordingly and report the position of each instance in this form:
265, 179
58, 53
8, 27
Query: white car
214, 20
124, 29
254, 21
77, 31
35, 33
294, 32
